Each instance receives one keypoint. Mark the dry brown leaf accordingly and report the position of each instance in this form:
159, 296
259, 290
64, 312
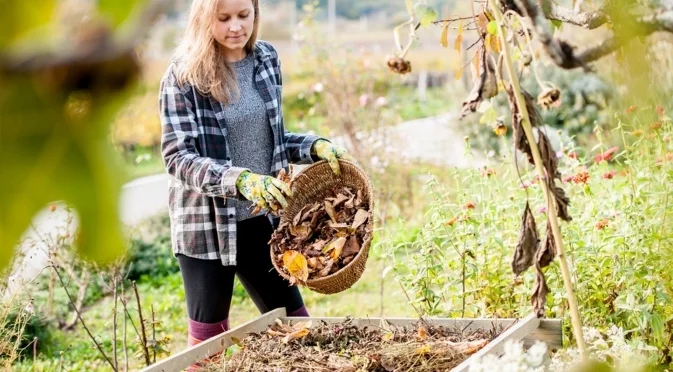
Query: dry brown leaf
330, 211
485, 85
361, 217
547, 249
524, 252
351, 248
540, 291
335, 247
562, 201
422, 333
296, 265
326, 270
299, 216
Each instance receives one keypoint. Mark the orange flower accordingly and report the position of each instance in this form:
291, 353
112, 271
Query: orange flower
581, 177
469, 205
656, 125
631, 109
451, 221
600, 225
637, 132
573, 155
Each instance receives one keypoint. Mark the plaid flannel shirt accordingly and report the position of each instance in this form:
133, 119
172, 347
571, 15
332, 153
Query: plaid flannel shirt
197, 158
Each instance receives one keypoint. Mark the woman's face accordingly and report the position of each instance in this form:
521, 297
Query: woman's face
234, 23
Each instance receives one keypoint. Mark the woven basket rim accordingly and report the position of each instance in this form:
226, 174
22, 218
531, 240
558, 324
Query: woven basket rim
366, 244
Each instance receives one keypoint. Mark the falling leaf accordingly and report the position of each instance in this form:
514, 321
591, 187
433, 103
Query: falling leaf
524, 252
458, 44
361, 217
444, 39
330, 211
295, 263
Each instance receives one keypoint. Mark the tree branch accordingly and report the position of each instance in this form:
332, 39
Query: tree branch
588, 20
564, 54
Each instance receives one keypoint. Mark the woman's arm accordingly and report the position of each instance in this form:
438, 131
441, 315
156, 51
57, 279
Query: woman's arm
178, 147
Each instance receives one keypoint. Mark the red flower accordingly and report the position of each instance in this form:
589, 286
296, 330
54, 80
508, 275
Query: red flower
469, 205
631, 109
573, 155
607, 155
581, 177
609, 175
600, 225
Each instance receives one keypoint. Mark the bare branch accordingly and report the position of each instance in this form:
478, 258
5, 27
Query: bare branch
588, 20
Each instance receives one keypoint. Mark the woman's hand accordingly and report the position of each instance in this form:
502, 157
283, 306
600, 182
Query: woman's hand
265, 191
332, 153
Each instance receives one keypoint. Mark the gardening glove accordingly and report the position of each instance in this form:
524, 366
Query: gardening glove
265, 192
327, 151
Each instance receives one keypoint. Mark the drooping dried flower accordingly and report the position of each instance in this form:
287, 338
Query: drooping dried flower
550, 97
399, 65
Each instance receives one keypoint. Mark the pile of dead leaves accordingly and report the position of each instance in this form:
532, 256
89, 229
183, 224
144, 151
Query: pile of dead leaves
346, 347
322, 237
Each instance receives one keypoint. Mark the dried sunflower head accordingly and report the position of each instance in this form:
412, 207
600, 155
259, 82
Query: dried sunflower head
399, 65
550, 97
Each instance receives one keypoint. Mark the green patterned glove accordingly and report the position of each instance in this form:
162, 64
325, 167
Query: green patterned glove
327, 151
265, 192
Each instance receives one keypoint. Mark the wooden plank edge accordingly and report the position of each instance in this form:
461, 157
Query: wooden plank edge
517, 332
185, 358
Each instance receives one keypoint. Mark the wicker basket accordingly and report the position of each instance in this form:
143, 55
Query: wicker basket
314, 183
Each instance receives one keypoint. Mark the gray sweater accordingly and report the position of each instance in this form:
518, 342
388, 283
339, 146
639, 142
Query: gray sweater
249, 130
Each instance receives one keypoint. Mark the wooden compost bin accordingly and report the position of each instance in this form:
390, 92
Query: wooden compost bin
529, 329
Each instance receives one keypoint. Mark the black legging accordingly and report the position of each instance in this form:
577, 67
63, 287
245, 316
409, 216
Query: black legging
209, 285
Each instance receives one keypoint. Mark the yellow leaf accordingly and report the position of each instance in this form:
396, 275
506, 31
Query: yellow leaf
459, 73
475, 63
458, 44
487, 42
444, 39
336, 246
387, 337
495, 43
295, 263
295, 335
329, 208
482, 22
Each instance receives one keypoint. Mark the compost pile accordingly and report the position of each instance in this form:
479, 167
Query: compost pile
323, 237
345, 347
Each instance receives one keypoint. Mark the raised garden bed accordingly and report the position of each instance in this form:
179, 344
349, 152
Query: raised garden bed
374, 344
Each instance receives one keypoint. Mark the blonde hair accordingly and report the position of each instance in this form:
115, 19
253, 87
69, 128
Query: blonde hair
199, 61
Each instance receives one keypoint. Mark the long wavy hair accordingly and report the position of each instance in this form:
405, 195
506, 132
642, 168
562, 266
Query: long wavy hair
200, 62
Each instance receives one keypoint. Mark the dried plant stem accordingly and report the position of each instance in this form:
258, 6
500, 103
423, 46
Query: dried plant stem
143, 336
154, 336
126, 350
114, 322
100, 349
551, 206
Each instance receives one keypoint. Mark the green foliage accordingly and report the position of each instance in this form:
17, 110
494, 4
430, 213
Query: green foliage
20, 18
54, 144
619, 243
150, 255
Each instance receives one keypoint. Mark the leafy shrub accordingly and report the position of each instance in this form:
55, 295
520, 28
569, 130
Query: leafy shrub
150, 253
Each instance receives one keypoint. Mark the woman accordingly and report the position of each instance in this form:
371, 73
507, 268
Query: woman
223, 143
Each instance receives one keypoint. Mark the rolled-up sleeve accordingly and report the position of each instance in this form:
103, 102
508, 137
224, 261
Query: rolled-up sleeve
179, 135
